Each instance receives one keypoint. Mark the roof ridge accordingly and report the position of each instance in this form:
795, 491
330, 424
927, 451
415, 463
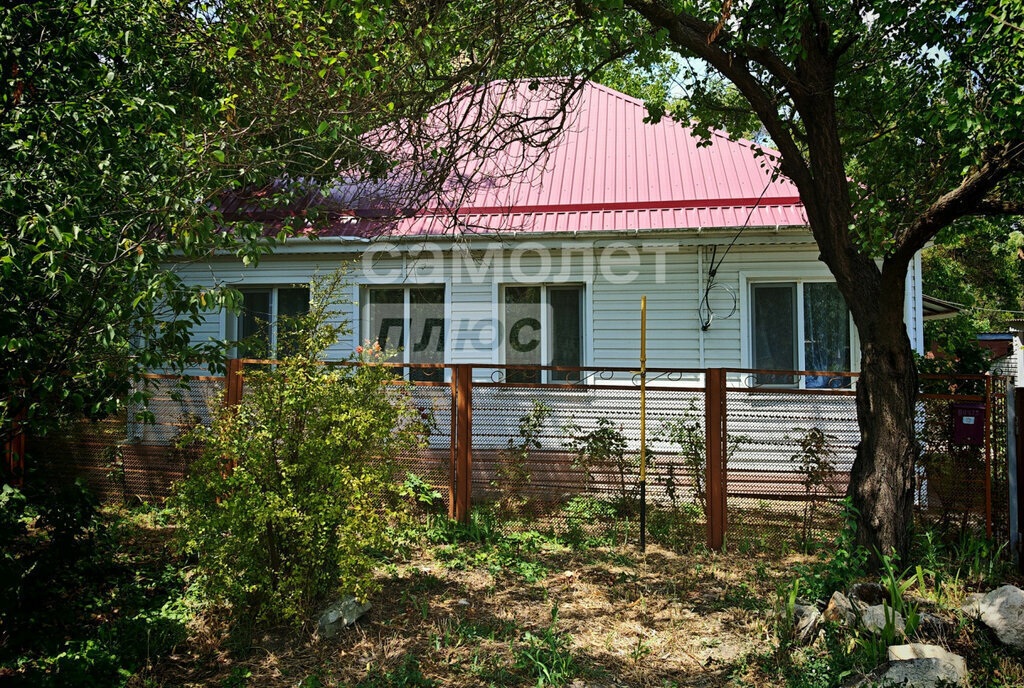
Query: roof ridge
618, 94
720, 133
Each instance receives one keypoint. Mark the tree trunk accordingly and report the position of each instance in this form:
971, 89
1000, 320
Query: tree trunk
882, 479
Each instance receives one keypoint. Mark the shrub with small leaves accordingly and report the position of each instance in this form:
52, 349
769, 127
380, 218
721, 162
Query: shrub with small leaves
513, 473
295, 485
602, 448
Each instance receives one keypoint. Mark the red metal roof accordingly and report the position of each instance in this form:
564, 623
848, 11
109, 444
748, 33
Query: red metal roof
611, 171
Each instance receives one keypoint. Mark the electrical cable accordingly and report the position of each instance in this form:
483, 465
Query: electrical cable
704, 309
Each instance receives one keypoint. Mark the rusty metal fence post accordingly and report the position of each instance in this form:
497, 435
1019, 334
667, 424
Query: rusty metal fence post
463, 388
452, 437
989, 411
715, 440
233, 382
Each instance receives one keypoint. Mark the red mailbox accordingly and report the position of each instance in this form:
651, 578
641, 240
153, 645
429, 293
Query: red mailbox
969, 423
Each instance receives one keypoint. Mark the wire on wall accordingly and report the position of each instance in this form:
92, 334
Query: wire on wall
705, 311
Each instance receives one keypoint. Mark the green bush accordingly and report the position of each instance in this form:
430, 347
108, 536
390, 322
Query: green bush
601, 449
70, 515
92, 611
311, 490
513, 472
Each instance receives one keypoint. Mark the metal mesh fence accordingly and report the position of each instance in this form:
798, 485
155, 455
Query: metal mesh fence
1000, 459
564, 455
789, 451
558, 450
792, 440
962, 483
432, 463
126, 456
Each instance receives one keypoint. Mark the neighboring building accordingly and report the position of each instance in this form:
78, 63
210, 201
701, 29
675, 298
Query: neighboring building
1005, 349
1006, 352
551, 270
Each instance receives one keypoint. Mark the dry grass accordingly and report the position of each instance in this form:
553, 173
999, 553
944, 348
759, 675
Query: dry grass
628, 620
461, 613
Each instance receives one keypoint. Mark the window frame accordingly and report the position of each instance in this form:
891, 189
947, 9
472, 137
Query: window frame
748, 282
547, 331
230, 325
406, 286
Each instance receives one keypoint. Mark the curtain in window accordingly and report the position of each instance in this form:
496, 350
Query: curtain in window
826, 333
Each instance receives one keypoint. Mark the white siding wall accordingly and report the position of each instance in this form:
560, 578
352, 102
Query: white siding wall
670, 273
275, 271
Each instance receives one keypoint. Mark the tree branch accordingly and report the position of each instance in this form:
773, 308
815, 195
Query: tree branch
998, 206
690, 33
969, 198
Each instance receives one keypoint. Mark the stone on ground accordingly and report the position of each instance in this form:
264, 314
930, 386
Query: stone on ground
873, 618
806, 623
341, 614
924, 666
1002, 610
911, 651
840, 610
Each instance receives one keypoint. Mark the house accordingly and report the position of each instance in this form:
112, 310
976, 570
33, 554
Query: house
1005, 349
1006, 352
547, 273
550, 270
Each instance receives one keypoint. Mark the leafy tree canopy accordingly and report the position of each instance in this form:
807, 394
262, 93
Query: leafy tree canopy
975, 264
130, 128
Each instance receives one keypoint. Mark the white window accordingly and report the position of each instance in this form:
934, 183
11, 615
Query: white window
409, 320
542, 325
260, 326
800, 326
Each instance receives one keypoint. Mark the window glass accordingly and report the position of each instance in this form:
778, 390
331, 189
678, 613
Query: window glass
774, 327
522, 332
826, 333
426, 331
254, 324
292, 303
566, 331
387, 319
